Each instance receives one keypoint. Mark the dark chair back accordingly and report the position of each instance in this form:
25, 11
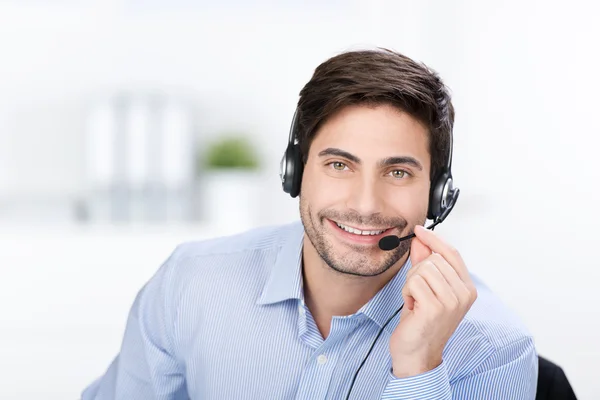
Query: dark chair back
552, 382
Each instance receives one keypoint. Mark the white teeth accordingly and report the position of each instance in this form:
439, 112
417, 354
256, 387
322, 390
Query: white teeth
359, 232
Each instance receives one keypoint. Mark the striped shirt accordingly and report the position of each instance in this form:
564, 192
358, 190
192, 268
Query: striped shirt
225, 318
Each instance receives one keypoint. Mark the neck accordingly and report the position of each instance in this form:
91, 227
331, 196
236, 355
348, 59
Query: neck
330, 293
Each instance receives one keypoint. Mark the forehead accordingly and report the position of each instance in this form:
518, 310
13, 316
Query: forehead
374, 132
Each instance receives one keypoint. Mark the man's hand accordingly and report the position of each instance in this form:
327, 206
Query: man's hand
437, 294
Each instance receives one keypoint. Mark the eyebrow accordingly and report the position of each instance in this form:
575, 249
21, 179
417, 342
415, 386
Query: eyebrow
331, 151
401, 160
340, 153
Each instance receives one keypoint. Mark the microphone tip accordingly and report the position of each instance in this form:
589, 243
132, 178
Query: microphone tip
389, 242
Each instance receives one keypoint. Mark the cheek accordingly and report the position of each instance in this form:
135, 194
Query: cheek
421, 202
411, 202
321, 190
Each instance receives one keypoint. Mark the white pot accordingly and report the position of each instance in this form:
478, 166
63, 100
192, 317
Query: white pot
231, 199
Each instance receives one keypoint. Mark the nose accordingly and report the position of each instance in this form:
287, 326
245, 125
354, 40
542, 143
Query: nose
366, 197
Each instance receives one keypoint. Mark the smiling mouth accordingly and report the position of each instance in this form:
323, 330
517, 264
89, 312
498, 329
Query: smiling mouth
360, 232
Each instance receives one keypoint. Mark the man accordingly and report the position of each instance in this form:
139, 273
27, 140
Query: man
317, 309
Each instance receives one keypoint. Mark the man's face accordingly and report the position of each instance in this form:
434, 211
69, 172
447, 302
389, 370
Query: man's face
367, 172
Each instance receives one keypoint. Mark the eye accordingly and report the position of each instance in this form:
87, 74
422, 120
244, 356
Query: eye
338, 165
399, 173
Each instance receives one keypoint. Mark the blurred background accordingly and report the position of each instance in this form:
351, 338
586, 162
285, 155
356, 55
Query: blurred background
129, 126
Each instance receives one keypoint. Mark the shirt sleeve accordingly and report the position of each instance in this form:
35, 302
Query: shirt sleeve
146, 366
508, 373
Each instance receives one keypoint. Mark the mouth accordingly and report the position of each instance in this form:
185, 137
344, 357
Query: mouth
361, 235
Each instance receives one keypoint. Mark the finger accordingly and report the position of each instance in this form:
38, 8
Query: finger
418, 251
439, 285
414, 269
465, 290
410, 302
437, 245
419, 290
462, 290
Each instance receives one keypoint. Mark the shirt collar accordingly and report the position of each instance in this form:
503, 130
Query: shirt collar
285, 281
388, 300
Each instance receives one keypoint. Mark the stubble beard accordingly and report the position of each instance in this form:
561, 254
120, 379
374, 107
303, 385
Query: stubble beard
349, 259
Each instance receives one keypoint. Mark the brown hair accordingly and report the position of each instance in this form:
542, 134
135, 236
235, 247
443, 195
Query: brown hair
375, 77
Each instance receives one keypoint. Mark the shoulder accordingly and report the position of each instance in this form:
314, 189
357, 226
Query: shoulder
490, 334
245, 256
491, 318
255, 239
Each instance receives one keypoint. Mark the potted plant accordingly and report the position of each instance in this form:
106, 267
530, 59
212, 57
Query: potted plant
229, 168
231, 153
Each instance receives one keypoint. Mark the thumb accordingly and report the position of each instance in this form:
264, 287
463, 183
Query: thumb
418, 250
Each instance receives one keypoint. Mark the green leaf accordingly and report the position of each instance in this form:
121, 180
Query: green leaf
231, 152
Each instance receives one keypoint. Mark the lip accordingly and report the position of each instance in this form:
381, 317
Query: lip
358, 239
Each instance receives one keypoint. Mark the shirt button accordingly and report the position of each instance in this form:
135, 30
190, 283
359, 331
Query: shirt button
322, 359
301, 309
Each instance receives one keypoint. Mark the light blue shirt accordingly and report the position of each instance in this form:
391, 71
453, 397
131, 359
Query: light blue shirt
225, 319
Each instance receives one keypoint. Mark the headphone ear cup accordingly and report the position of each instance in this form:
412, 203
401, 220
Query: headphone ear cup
292, 173
286, 166
296, 171
436, 196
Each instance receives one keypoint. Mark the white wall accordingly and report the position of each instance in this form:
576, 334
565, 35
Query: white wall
523, 76
244, 68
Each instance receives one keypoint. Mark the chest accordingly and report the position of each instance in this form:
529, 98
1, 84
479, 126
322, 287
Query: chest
278, 354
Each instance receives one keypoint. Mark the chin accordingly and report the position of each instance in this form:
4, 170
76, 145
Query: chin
361, 271
358, 262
